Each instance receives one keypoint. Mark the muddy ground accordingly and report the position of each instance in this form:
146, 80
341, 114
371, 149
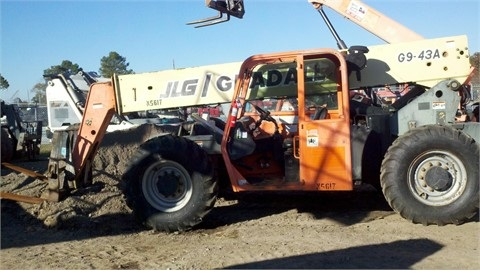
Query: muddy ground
94, 229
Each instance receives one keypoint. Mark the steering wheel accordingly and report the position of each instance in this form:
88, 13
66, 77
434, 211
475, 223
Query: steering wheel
264, 115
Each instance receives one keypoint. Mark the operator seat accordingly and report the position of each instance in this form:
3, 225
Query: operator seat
241, 142
321, 112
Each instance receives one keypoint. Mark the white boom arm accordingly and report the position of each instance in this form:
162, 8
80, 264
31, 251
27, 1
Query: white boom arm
361, 14
370, 19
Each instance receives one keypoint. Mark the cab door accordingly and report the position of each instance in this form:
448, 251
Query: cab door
323, 141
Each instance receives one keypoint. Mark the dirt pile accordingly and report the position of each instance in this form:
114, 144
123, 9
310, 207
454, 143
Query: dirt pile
102, 199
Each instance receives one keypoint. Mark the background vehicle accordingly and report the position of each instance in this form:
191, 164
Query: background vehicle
19, 137
294, 125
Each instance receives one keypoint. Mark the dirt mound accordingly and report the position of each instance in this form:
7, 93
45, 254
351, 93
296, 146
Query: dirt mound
104, 198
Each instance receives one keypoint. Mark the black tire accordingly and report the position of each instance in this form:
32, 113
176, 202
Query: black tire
29, 149
170, 184
8, 146
430, 176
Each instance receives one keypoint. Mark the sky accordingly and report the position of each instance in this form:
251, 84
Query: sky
153, 35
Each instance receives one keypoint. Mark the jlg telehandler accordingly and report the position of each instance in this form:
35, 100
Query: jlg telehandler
295, 124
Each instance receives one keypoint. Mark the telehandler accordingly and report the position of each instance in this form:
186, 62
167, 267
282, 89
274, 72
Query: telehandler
298, 121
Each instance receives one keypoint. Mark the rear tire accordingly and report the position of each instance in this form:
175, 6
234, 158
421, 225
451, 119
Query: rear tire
170, 184
8, 146
430, 176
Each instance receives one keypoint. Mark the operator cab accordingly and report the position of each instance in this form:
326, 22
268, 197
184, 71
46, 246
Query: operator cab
293, 117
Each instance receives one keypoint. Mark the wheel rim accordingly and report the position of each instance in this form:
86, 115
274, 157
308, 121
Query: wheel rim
166, 186
437, 178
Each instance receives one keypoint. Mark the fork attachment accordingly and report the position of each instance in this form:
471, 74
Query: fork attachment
224, 7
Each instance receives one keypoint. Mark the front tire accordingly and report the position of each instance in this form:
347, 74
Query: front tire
430, 176
170, 184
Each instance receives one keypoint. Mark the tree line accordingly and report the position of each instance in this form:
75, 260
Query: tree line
111, 64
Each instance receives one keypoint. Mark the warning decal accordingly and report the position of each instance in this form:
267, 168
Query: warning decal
312, 138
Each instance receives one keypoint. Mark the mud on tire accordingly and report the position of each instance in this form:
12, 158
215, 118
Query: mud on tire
430, 176
170, 184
